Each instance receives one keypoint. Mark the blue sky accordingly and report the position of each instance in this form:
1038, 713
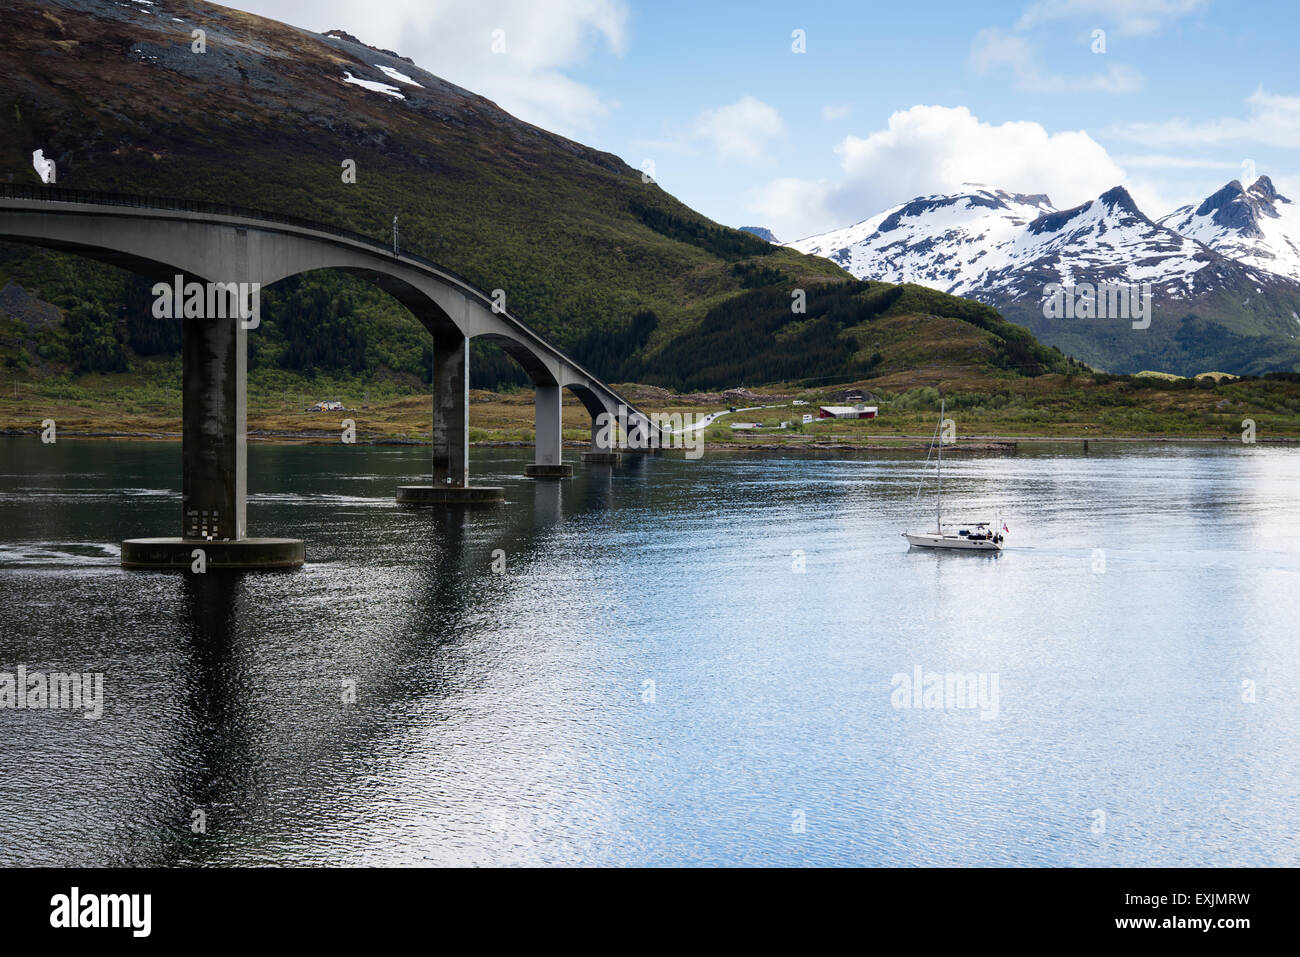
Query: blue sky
890, 100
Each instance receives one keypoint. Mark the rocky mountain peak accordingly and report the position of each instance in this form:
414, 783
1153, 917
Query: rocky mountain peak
1264, 188
344, 35
1119, 200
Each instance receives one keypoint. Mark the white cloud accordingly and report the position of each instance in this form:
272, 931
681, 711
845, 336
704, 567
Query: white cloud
740, 130
794, 208
453, 39
1287, 185
1130, 17
1158, 197
1271, 119
677, 147
929, 149
836, 111
1163, 161
995, 48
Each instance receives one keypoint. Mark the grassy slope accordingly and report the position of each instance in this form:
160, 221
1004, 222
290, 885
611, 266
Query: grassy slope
578, 241
981, 404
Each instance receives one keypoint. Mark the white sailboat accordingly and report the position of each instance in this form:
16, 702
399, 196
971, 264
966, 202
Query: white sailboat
975, 537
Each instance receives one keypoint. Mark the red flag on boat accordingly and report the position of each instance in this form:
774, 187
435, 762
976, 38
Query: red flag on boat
1005, 529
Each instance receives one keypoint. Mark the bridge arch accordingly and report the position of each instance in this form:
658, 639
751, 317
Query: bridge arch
431, 314
157, 237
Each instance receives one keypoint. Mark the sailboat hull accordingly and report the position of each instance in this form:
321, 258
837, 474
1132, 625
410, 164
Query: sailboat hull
957, 542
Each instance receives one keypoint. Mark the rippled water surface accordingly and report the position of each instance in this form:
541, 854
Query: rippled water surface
650, 681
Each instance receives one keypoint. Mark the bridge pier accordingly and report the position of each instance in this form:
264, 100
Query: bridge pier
214, 457
639, 438
602, 452
214, 444
549, 435
450, 434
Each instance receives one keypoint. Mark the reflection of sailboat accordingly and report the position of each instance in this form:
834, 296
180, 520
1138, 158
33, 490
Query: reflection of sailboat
977, 537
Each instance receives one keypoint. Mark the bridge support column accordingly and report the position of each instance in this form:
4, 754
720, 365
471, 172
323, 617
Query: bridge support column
604, 442
214, 463
451, 412
214, 447
549, 435
450, 434
641, 437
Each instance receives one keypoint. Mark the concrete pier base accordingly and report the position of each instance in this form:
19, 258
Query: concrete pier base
219, 555
602, 458
450, 495
548, 471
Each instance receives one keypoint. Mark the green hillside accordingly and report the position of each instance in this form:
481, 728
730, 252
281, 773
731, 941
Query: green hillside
1217, 331
629, 280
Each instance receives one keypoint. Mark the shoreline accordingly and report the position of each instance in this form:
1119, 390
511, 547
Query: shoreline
1005, 444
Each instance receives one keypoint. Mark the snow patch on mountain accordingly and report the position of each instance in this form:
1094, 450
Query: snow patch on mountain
396, 75
373, 85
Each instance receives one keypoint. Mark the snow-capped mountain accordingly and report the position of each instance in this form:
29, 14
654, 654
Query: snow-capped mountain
940, 241
1001, 247
1256, 226
1012, 250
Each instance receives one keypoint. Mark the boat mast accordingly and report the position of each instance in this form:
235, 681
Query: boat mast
938, 499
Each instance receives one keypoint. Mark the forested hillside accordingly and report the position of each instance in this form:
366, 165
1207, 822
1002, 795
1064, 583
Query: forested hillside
610, 267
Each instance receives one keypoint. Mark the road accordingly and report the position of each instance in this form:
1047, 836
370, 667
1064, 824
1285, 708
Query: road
709, 419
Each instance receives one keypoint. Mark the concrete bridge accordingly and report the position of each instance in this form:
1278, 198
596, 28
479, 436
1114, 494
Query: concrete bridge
210, 244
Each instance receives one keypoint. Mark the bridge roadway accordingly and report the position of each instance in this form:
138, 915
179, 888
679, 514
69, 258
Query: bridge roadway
208, 243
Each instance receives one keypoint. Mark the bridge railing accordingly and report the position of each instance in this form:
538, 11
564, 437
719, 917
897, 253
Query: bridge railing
62, 194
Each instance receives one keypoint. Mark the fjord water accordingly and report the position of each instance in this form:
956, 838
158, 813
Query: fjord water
649, 680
